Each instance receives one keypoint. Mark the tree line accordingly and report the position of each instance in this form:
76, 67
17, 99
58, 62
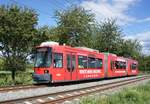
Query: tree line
20, 33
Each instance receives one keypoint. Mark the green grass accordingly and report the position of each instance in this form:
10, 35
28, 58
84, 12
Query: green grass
134, 95
21, 78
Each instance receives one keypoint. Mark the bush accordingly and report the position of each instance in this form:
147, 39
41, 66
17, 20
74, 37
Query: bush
1, 64
21, 78
5, 79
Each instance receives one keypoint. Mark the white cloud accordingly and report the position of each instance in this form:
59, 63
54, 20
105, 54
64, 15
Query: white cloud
144, 20
144, 38
117, 9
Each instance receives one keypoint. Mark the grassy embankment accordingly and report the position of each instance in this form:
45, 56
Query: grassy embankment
21, 78
134, 95
24, 77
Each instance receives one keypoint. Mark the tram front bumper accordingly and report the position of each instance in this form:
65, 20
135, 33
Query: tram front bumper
42, 78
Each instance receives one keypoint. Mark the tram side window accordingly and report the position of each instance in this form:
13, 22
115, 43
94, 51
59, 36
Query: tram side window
99, 63
91, 62
124, 65
82, 62
68, 62
133, 66
58, 60
73, 62
117, 64
120, 65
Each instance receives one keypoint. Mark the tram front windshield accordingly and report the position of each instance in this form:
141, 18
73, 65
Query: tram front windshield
43, 57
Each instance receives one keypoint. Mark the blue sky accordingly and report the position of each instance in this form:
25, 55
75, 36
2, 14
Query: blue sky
133, 16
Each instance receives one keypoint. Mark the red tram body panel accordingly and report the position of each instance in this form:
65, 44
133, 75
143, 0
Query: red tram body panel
116, 66
61, 63
132, 67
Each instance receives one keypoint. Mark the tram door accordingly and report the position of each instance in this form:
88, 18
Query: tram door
71, 66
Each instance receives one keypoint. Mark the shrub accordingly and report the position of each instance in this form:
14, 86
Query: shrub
21, 78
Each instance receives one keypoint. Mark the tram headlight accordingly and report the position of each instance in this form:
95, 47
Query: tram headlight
46, 71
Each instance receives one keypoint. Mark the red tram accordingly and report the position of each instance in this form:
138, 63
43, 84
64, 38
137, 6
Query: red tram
61, 63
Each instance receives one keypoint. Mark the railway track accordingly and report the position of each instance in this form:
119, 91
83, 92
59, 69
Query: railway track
19, 87
60, 97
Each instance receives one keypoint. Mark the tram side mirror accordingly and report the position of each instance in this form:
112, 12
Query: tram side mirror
32, 58
54, 61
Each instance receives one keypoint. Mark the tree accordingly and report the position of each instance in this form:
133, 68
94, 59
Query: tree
17, 29
130, 48
45, 33
74, 26
144, 63
107, 36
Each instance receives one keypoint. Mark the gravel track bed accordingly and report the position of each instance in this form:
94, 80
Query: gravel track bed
46, 90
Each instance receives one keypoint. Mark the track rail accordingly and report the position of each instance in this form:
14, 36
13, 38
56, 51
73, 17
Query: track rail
59, 97
19, 87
